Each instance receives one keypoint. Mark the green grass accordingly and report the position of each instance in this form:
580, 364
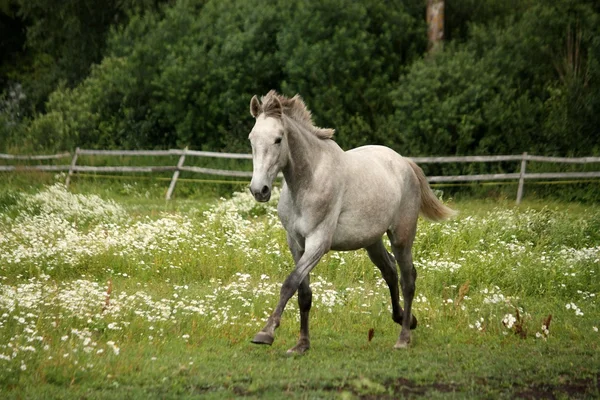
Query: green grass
128, 296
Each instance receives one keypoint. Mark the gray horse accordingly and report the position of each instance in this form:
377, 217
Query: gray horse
336, 200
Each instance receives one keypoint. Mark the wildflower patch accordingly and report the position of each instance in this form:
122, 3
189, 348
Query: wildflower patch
86, 282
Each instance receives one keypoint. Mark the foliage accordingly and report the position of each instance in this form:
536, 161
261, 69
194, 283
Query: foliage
343, 57
174, 80
527, 85
513, 76
11, 128
461, 15
63, 40
185, 79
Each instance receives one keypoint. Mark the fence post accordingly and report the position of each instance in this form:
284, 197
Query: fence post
72, 167
176, 175
522, 178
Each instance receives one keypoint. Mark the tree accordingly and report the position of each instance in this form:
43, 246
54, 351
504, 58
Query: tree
185, 78
343, 56
62, 40
508, 89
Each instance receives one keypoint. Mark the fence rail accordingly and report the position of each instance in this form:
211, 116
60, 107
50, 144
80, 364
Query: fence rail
73, 167
36, 157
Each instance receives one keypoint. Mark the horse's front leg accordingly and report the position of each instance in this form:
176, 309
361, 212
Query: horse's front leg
313, 252
304, 303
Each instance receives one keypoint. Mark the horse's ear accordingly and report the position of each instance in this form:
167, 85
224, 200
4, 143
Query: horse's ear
254, 107
272, 106
276, 109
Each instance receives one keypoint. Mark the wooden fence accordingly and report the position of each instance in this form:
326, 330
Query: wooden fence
73, 167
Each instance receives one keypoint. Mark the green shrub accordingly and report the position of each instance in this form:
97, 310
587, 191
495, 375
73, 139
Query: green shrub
510, 88
186, 78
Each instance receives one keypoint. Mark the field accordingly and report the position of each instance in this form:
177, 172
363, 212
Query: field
125, 296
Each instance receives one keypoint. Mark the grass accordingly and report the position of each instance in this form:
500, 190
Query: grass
109, 291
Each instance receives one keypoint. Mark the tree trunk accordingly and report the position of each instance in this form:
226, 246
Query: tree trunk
435, 24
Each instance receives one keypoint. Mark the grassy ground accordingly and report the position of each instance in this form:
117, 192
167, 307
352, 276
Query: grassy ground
109, 291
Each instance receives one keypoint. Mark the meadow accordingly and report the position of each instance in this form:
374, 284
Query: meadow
117, 293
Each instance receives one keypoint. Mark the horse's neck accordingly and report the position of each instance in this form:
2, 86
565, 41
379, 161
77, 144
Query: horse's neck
306, 152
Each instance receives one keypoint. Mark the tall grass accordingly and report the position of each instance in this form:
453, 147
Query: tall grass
95, 291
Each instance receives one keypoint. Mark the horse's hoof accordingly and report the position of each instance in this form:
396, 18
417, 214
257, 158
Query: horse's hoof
295, 352
401, 344
263, 338
298, 349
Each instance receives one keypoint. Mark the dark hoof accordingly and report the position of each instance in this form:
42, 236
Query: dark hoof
263, 338
296, 352
299, 349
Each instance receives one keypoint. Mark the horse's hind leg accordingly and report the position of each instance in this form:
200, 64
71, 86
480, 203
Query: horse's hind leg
402, 248
387, 265
304, 303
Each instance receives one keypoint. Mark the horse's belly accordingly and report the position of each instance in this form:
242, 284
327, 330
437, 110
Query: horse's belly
353, 234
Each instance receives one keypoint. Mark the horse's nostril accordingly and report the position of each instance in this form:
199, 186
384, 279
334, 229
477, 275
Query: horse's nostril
265, 190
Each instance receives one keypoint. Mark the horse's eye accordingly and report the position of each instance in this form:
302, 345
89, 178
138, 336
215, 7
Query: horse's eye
278, 140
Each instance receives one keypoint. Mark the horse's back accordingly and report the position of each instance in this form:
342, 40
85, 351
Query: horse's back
379, 163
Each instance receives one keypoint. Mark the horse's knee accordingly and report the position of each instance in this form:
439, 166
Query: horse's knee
408, 273
290, 285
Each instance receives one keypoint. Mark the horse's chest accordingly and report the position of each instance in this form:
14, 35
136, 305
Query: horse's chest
296, 223
300, 219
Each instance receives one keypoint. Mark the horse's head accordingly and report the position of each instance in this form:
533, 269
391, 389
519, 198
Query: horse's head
269, 145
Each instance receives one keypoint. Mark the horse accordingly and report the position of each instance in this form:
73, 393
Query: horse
337, 200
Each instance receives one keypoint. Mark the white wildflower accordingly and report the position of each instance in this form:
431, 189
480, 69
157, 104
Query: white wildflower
509, 320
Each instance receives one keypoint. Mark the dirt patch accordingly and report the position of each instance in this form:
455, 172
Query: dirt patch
397, 388
366, 389
405, 388
579, 388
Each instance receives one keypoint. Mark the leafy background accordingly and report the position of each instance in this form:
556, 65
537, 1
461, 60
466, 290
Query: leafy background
513, 76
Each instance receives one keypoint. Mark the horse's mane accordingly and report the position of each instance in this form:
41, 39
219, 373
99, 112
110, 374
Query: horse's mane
295, 109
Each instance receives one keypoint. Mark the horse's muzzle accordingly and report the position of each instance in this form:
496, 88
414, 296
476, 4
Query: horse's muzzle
262, 194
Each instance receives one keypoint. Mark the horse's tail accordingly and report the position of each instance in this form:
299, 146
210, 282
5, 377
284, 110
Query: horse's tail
431, 207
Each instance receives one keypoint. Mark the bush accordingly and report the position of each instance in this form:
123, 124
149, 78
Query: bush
186, 78
343, 58
520, 76
505, 91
